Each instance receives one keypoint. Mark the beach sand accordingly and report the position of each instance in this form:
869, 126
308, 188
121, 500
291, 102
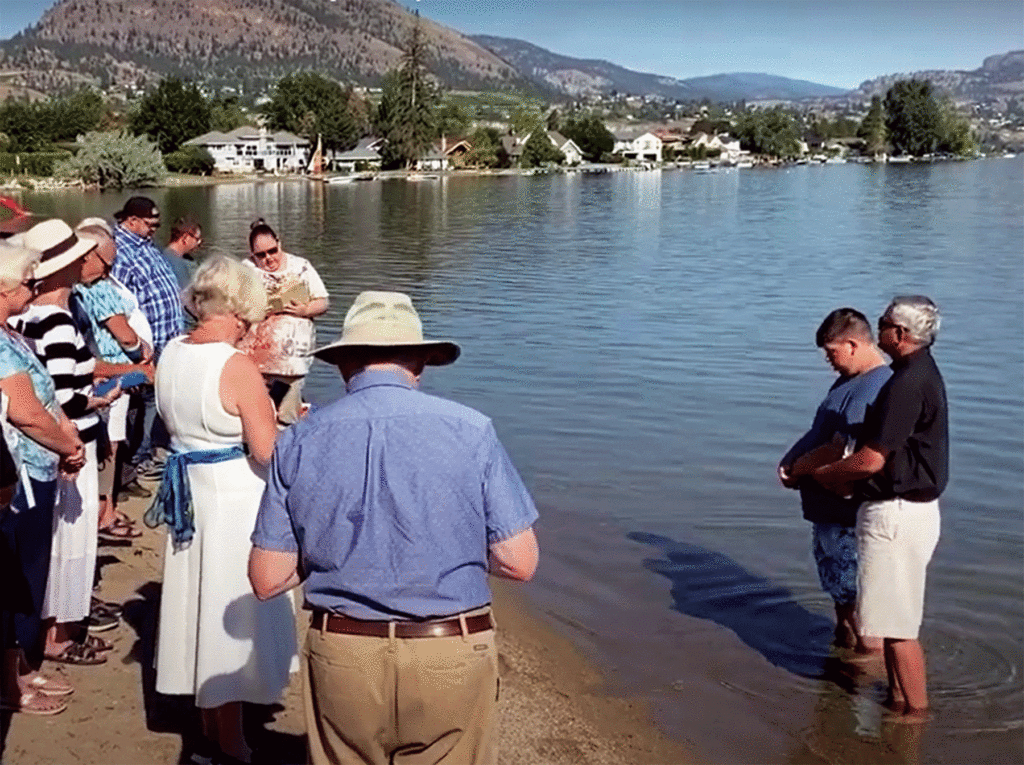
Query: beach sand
554, 707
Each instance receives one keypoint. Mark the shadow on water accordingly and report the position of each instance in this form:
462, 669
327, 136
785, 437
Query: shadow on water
178, 714
709, 585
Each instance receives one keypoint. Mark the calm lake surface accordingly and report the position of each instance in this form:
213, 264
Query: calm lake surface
645, 345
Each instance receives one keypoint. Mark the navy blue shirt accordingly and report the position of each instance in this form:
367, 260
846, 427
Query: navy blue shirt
842, 412
391, 498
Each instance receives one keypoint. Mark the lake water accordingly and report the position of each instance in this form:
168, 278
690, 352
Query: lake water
645, 345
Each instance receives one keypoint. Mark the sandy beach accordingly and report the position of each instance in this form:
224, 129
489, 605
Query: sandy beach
554, 707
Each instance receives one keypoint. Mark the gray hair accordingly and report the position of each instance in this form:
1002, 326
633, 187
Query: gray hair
222, 285
97, 233
918, 315
16, 263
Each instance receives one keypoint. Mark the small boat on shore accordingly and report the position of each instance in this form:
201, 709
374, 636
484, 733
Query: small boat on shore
422, 177
337, 180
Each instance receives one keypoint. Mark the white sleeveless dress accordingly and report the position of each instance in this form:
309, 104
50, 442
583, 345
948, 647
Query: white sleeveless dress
215, 639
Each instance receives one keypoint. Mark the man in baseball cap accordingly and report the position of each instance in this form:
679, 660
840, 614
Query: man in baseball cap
395, 505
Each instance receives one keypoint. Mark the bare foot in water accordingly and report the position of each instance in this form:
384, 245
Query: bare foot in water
909, 715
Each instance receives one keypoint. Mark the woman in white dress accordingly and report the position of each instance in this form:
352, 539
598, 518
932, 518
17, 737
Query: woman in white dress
216, 640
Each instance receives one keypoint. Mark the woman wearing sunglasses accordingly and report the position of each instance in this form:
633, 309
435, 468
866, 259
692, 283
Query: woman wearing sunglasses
280, 342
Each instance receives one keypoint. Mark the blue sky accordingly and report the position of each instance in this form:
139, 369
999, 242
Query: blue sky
833, 42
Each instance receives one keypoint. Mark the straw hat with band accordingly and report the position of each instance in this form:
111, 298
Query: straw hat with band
385, 320
58, 245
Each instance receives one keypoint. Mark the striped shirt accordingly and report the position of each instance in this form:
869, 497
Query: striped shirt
52, 335
141, 267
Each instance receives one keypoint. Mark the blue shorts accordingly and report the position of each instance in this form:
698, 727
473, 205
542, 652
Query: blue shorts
835, 552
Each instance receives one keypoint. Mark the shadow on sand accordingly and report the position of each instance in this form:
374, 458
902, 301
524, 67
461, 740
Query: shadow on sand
178, 714
709, 585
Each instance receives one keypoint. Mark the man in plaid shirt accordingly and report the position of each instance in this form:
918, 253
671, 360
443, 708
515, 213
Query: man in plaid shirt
141, 267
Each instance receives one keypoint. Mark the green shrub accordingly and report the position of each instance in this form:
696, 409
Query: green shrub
31, 163
194, 160
114, 159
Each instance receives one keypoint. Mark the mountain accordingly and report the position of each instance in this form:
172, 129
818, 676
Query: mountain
581, 77
248, 44
998, 78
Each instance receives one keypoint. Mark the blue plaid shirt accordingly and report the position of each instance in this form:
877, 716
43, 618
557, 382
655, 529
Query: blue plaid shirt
391, 498
141, 267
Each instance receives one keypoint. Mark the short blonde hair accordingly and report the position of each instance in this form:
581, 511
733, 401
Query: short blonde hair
222, 285
16, 264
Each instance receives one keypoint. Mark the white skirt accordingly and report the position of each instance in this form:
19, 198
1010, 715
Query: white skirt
73, 554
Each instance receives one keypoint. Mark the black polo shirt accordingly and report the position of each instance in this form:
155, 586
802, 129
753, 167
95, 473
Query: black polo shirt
909, 422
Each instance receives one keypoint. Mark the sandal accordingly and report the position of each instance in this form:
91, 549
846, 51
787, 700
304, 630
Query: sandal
117, 532
97, 605
97, 644
35, 703
77, 653
48, 685
122, 519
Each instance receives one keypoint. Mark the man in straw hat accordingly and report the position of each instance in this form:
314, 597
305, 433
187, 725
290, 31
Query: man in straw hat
395, 506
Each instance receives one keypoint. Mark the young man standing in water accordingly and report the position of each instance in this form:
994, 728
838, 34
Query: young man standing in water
845, 336
900, 469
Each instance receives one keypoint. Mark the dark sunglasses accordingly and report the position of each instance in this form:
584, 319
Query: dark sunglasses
33, 285
265, 253
884, 324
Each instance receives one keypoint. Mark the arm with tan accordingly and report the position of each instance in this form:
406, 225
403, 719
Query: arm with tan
29, 416
863, 463
272, 572
243, 393
516, 557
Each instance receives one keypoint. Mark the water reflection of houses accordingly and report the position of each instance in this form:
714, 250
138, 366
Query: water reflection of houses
250, 149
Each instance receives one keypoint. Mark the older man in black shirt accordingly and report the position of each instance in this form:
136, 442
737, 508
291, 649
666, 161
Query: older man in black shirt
899, 470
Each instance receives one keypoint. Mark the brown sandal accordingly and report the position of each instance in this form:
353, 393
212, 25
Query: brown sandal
36, 703
48, 685
97, 644
76, 653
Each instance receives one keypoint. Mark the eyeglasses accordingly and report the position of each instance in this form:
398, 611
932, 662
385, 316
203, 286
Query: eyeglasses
884, 324
152, 222
33, 285
197, 237
266, 253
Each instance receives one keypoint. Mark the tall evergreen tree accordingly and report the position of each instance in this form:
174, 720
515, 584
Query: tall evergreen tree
872, 127
409, 97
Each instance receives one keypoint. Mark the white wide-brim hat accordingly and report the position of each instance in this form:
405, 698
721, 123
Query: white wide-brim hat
386, 320
58, 245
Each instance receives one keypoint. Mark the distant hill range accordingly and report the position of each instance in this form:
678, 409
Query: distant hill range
998, 78
247, 45
581, 77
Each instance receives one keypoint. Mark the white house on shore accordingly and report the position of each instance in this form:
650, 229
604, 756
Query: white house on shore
728, 146
573, 153
646, 147
250, 149
367, 152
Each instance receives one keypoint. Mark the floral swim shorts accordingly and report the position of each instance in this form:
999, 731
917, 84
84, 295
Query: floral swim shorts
835, 552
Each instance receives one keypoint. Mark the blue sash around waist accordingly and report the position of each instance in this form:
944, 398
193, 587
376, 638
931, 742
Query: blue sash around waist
173, 502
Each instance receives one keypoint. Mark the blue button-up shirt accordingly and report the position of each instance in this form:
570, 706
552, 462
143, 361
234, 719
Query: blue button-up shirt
141, 267
391, 498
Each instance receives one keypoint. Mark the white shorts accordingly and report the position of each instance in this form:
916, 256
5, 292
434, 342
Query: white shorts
116, 416
895, 541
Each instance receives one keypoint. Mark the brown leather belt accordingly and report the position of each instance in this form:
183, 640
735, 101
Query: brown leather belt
403, 629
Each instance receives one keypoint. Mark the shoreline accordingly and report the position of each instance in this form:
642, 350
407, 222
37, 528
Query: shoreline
554, 704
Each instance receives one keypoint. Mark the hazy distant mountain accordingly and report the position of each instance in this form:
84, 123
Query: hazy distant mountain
998, 77
247, 43
576, 76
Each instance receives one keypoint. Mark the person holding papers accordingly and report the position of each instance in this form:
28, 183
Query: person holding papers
280, 343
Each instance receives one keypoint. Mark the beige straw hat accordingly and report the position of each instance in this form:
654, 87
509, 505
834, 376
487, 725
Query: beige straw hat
58, 244
386, 320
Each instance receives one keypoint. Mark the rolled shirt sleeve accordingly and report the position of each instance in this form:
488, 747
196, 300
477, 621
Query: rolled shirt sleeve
508, 507
274, 529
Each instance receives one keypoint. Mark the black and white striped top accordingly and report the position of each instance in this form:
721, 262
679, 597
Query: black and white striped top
54, 338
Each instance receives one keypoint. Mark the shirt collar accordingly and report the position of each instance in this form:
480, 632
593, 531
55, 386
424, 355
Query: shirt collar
132, 236
371, 378
912, 358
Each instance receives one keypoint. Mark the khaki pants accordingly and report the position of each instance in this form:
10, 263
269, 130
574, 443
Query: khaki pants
414, 701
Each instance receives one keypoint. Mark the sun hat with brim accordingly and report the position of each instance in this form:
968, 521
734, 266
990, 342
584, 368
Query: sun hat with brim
58, 244
385, 320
